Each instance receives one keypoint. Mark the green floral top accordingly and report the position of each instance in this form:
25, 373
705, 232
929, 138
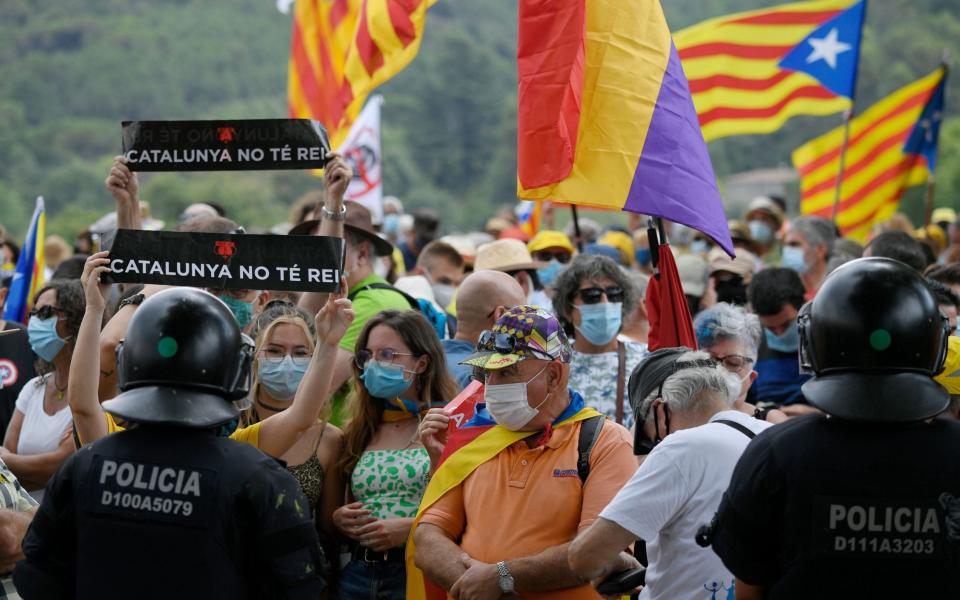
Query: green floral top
390, 483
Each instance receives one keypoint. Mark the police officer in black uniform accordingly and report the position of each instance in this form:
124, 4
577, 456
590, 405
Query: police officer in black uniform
172, 508
863, 501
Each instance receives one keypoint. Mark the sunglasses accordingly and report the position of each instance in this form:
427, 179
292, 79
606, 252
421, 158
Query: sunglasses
383, 355
733, 362
46, 312
593, 295
561, 256
504, 343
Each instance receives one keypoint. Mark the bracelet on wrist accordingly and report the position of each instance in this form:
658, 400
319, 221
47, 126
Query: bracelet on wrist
326, 213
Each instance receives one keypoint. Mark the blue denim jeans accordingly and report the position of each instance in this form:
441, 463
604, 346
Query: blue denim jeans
361, 580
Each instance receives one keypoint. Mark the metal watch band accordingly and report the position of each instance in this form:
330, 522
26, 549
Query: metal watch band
334, 216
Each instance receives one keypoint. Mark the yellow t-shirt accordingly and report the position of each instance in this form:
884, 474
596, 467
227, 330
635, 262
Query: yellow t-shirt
247, 435
950, 376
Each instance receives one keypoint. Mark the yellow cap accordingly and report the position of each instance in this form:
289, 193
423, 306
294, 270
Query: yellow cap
550, 239
622, 242
944, 213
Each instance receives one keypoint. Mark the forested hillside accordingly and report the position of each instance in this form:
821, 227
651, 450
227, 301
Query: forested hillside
71, 70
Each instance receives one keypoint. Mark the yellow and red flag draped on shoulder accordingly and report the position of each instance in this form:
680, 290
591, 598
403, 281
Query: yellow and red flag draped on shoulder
471, 441
340, 50
877, 169
733, 64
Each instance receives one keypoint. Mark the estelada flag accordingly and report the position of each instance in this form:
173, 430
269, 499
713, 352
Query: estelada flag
605, 116
470, 443
340, 50
752, 71
879, 163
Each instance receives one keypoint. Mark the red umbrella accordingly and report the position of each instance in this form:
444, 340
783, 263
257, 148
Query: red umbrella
667, 310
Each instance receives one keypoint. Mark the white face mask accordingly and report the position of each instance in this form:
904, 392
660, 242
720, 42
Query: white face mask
507, 403
735, 384
381, 268
349, 266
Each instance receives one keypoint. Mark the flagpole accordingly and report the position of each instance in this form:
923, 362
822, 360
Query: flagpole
928, 214
576, 228
847, 117
931, 180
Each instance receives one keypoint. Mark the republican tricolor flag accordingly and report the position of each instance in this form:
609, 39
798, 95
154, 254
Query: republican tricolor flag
605, 117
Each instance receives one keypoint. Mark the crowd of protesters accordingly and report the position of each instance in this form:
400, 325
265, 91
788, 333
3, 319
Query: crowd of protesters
555, 327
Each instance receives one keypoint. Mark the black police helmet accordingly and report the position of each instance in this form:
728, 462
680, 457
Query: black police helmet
183, 362
874, 337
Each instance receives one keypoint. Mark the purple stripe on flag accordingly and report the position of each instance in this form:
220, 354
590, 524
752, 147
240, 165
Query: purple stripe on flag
674, 177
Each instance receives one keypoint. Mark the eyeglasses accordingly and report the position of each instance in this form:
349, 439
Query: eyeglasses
300, 356
383, 355
561, 256
46, 312
592, 295
733, 362
504, 343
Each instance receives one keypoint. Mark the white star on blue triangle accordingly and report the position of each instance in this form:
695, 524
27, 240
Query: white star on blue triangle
830, 52
923, 139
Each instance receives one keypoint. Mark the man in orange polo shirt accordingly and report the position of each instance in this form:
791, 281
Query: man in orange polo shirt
506, 528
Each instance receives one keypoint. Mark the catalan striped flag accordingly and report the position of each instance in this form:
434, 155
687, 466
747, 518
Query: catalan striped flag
28, 276
752, 71
878, 169
340, 50
624, 134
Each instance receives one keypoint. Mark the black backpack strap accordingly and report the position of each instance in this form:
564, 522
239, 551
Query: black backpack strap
376, 285
589, 434
741, 428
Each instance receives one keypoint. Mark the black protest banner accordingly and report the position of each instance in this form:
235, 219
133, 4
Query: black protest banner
237, 145
302, 263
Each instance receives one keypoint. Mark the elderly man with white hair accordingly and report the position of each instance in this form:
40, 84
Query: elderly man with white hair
686, 400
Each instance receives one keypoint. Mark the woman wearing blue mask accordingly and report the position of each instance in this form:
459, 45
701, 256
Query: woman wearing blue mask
591, 299
37, 440
399, 374
285, 340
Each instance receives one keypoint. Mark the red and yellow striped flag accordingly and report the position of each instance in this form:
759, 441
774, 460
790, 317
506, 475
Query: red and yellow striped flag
732, 62
340, 50
876, 172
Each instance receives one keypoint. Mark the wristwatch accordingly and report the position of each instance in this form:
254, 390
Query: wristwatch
506, 579
334, 216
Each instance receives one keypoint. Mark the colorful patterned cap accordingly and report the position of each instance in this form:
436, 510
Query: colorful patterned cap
522, 332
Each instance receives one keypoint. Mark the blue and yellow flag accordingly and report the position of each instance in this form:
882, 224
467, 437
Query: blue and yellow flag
28, 277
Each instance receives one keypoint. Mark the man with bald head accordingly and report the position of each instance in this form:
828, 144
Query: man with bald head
481, 299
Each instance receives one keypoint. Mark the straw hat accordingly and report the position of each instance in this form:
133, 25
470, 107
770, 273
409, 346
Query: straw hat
505, 255
743, 265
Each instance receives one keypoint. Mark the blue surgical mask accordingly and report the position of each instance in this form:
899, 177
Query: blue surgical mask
793, 259
600, 322
242, 311
384, 380
281, 378
643, 256
760, 231
700, 246
788, 341
42, 334
549, 273
391, 223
